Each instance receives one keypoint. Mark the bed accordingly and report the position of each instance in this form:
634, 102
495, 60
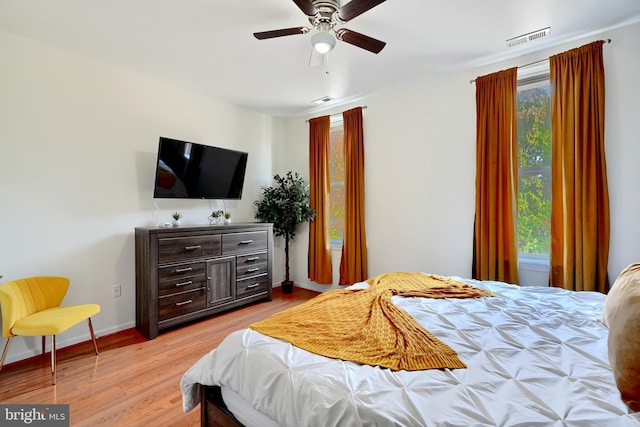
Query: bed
535, 356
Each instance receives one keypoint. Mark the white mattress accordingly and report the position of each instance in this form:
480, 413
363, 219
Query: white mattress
244, 412
535, 357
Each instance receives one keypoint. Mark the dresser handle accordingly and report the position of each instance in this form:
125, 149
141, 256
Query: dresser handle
255, 285
246, 242
182, 270
188, 282
189, 301
190, 248
252, 270
255, 258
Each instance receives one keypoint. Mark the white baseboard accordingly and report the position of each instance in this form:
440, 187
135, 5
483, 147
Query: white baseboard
34, 343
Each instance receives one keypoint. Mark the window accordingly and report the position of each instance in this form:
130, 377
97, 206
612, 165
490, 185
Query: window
534, 167
336, 177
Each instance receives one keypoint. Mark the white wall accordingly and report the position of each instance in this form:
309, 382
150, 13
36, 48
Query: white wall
78, 142
420, 167
622, 142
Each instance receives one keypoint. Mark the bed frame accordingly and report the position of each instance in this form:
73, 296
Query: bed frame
213, 411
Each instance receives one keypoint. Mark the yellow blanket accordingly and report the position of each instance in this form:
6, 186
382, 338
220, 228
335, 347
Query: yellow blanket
364, 326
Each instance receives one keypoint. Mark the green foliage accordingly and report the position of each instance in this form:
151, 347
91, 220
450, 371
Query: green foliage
534, 231
534, 163
176, 215
336, 191
217, 214
286, 204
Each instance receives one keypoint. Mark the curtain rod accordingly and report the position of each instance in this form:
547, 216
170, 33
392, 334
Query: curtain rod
542, 60
364, 107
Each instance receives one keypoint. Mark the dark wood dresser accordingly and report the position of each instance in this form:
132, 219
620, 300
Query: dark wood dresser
189, 272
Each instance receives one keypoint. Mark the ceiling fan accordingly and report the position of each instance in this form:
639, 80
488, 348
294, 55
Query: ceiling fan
324, 16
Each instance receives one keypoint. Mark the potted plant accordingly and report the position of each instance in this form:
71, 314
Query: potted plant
215, 217
227, 217
286, 204
176, 218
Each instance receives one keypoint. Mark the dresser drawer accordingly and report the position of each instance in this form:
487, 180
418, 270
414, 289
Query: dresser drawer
244, 242
252, 270
182, 303
182, 285
251, 264
251, 285
185, 248
181, 271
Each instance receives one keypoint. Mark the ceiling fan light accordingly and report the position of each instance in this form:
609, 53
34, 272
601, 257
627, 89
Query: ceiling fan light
323, 41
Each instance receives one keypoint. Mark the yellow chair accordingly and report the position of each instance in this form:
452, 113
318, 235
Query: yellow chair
31, 307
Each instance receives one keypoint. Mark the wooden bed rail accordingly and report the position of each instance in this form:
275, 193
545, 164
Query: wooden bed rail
213, 411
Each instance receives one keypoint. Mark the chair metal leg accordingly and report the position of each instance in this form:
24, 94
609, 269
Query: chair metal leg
53, 351
5, 351
53, 360
93, 337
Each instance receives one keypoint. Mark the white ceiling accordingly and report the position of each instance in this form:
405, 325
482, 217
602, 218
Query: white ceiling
208, 45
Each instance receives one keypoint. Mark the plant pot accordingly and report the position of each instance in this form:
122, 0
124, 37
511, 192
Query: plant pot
287, 287
176, 222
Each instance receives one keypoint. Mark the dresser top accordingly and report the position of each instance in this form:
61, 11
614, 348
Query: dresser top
206, 228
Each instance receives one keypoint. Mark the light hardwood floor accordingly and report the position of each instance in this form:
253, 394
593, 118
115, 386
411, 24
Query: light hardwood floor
133, 382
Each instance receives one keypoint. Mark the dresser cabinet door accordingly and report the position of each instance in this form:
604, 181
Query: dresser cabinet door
221, 279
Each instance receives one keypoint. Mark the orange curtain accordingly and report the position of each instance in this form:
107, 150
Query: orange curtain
495, 254
353, 265
319, 264
580, 198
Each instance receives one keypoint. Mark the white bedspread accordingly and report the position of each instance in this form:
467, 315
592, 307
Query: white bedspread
535, 357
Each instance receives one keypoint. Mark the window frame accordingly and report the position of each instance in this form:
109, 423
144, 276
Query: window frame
336, 122
529, 78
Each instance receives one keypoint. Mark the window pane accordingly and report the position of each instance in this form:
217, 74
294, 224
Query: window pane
336, 176
534, 169
534, 209
336, 216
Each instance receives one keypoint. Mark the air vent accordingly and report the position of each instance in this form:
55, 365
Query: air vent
322, 100
525, 38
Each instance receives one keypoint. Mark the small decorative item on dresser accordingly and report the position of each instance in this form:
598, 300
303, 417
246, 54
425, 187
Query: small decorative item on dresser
216, 217
176, 218
227, 217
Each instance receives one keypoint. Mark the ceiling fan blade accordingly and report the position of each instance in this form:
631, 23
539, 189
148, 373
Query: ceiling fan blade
279, 33
355, 8
360, 40
306, 6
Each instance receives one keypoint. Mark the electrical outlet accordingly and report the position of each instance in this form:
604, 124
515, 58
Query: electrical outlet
116, 291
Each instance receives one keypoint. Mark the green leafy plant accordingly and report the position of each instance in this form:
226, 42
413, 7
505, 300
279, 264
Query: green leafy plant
286, 204
534, 163
176, 215
227, 215
217, 214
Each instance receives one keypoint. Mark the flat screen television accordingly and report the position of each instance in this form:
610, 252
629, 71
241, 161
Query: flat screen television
186, 170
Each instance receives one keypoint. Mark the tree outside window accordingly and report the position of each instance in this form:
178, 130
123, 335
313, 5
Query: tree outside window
534, 168
336, 176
